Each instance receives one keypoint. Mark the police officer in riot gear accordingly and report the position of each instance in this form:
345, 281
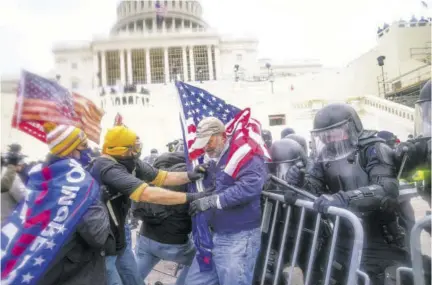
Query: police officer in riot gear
284, 154
354, 169
300, 140
267, 137
417, 151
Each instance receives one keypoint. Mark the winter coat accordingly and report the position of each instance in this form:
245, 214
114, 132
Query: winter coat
12, 191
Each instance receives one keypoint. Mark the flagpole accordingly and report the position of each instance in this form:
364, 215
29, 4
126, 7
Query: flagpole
199, 184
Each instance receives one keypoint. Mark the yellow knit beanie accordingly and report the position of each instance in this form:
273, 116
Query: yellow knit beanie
63, 139
118, 140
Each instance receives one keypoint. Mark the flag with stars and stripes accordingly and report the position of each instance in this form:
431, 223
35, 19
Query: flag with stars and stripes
41, 100
245, 141
244, 131
161, 11
40, 225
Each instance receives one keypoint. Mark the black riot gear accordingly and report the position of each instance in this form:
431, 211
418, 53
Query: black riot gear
286, 153
267, 137
287, 131
300, 140
359, 167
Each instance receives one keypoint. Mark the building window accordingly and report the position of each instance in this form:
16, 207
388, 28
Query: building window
214, 62
139, 66
75, 85
277, 120
188, 75
112, 59
201, 62
175, 59
157, 65
239, 57
99, 71
74, 65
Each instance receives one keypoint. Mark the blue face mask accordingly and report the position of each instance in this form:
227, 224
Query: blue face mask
85, 157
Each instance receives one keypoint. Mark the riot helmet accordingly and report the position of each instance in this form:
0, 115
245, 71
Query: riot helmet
422, 117
285, 153
300, 140
337, 128
287, 131
267, 138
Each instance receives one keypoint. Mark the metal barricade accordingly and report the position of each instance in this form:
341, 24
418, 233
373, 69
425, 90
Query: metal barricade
268, 225
417, 269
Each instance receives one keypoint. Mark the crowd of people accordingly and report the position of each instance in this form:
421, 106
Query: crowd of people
344, 165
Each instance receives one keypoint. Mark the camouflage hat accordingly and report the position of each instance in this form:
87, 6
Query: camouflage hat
206, 128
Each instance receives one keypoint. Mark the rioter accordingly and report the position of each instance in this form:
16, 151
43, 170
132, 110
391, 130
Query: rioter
233, 210
60, 233
127, 179
164, 233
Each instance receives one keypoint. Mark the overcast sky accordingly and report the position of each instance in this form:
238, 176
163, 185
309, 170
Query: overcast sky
333, 31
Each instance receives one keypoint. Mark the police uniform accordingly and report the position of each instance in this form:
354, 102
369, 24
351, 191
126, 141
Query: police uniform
354, 169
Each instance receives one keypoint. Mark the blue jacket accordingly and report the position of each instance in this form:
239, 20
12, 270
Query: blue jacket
239, 198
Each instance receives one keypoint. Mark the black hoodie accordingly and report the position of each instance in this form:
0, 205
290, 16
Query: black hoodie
166, 224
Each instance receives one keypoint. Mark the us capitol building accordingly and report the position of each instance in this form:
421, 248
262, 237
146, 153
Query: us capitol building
144, 49
131, 70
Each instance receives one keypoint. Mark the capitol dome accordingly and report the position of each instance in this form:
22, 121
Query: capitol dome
142, 16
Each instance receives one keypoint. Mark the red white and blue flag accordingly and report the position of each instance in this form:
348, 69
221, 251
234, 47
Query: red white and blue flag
58, 196
245, 142
41, 100
160, 11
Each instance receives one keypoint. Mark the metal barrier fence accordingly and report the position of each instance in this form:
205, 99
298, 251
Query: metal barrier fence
270, 216
417, 269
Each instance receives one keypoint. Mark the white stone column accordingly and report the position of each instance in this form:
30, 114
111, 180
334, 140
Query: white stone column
185, 71
148, 68
103, 71
192, 63
218, 63
182, 24
129, 66
210, 62
166, 65
122, 67
164, 26
96, 69
154, 25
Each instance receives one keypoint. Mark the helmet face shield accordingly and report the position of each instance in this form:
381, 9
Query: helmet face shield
422, 119
334, 143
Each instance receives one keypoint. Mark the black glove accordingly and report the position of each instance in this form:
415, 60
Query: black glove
203, 204
105, 194
295, 174
325, 201
290, 197
190, 197
198, 172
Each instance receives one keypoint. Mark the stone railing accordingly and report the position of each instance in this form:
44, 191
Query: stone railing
389, 107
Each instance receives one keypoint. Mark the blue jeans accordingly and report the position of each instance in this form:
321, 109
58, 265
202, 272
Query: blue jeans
150, 252
122, 269
234, 257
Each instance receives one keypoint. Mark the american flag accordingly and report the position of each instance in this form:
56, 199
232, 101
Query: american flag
245, 132
160, 11
41, 100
